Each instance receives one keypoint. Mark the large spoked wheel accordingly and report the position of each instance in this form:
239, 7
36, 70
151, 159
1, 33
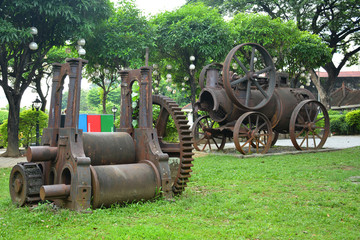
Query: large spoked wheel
204, 71
252, 133
177, 143
249, 76
309, 125
206, 136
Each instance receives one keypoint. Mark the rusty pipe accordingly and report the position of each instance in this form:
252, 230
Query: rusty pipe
48, 192
109, 148
123, 183
41, 154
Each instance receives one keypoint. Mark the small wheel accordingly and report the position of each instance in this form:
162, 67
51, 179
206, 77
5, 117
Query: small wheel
249, 66
252, 133
25, 182
205, 135
203, 74
309, 125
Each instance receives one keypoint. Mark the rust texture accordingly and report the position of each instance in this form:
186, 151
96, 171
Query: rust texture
78, 170
249, 102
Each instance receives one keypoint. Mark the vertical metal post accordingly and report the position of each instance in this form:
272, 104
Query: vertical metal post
37, 126
114, 122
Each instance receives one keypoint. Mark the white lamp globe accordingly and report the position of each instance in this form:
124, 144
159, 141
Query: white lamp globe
81, 42
81, 51
33, 31
33, 46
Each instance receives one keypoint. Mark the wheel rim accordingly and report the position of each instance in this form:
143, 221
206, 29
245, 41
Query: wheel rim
205, 136
18, 190
255, 70
309, 125
252, 133
182, 148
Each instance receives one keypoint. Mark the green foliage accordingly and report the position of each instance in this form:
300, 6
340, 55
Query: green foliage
338, 125
94, 97
282, 39
84, 104
120, 41
57, 22
344, 123
353, 120
3, 116
27, 127
193, 29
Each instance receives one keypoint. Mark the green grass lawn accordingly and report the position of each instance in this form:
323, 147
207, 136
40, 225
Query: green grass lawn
307, 196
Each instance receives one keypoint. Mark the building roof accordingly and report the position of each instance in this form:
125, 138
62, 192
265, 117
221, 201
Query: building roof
345, 96
342, 74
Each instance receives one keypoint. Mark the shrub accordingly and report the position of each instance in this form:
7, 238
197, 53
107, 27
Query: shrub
353, 120
27, 127
339, 126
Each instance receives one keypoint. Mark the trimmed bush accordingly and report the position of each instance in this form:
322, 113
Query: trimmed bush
339, 126
353, 120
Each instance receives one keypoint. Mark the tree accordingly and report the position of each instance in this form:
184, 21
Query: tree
337, 22
291, 48
192, 30
56, 21
118, 43
27, 126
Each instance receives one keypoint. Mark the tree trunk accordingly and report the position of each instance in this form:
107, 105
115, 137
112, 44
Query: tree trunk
13, 124
104, 102
193, 94
323, 96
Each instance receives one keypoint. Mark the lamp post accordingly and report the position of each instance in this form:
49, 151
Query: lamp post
114, 110
37, 105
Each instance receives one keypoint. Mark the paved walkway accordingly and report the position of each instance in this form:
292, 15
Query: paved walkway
334, 142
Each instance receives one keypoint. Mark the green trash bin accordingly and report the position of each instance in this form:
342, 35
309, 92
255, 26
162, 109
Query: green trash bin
107, 123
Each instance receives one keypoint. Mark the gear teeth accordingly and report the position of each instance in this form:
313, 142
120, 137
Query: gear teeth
185, 138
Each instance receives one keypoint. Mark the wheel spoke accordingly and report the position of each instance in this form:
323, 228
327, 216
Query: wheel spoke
267, 69
248, 92
215, 143
300, 133
261, 90
307, 113
261, 126
240, 80
262, 143
319, 119
252, 59
248, 141
240, 64
314, 139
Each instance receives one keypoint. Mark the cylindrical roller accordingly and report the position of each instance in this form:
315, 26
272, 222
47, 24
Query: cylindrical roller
54, 191
41, 154
109, 148
123, 183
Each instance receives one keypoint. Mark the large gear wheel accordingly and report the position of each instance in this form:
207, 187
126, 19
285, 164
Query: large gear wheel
25, 182
180, 149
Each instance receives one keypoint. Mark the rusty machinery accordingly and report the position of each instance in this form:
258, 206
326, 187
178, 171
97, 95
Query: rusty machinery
80, 170
248, 101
